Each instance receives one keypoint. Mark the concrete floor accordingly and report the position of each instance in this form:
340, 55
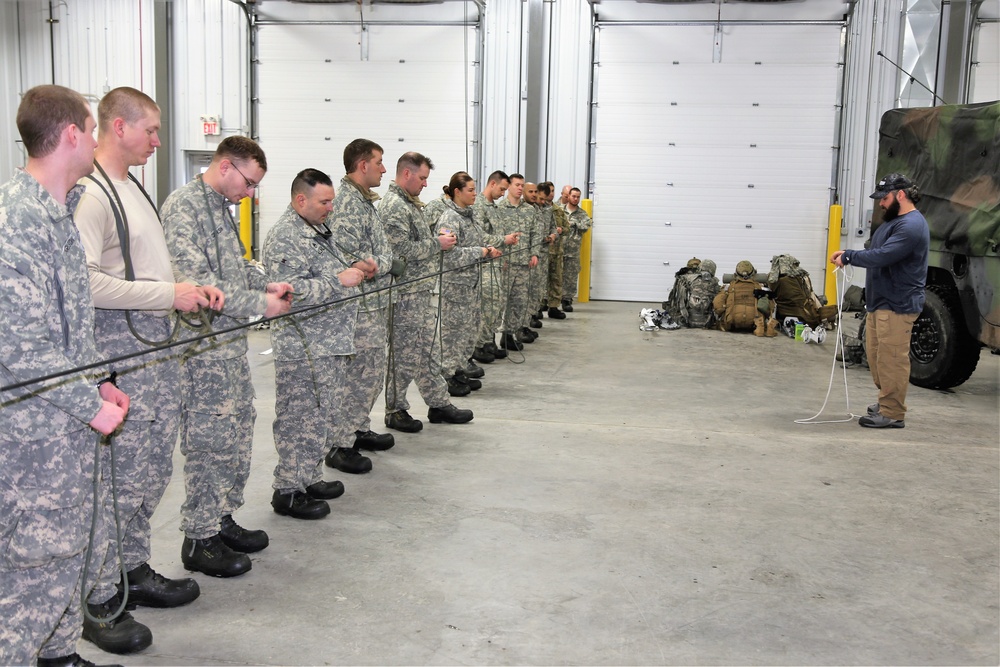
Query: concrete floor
625, 497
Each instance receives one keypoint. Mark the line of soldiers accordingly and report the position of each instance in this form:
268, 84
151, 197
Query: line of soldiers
90, 270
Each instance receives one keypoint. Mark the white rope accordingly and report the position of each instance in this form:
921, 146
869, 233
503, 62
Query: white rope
841, 288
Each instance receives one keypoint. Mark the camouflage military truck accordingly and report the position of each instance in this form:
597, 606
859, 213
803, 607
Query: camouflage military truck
952, 153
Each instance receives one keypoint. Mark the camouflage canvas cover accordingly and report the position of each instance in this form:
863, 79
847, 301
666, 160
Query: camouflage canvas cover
952, 153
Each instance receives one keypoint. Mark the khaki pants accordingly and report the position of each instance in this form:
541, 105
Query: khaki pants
887, 343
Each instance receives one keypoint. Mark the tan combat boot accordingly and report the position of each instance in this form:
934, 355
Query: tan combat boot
758, 326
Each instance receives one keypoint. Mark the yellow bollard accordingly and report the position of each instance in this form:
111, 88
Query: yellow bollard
246, 226
583, 284
832, 246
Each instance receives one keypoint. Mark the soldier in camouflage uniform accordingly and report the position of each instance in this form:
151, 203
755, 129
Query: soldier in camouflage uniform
460, 303
311, 350
516, 215
545, 226
484, 215
553, 298
413, 356
358, 232
579, 222
47, 437
135, 295
218, 414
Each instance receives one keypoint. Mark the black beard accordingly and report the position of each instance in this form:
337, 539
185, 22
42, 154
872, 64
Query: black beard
892, 212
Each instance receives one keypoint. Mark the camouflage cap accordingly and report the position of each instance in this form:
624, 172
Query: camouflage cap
745, 269
890, 183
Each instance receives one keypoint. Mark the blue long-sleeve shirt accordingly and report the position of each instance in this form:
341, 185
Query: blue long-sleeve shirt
896, 264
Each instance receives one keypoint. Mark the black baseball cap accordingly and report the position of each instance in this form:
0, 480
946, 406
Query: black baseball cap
890, 183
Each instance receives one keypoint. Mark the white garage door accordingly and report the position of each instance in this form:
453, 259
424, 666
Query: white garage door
321, 86
711, 146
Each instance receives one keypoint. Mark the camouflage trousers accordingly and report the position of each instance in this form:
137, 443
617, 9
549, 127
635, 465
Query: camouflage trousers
538, 282
460, 325
44, 526
143, 445
493, 301
571, 272
307, 405
555, 277
216, 439
364, 376
414, 354
515, 281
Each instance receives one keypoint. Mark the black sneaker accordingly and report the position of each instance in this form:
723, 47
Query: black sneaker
147, 588
120, 635
212, 557
346, 459
375, 442
75, 660
556, 314
535, 322
325, 490
511, 343
299, 505
449, 414
567, 306
401, 420
473, 371
482, 356
497, 352
239, 538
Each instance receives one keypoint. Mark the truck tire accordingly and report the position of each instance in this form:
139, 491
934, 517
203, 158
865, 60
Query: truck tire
942, 353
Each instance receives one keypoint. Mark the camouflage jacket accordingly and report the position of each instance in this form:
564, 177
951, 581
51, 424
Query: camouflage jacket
545, 222
433, 211
294, 253
358, 232
484, 212
205, 246
47, 318
468, 249
411, 238
579, 222
562, 222
520, 218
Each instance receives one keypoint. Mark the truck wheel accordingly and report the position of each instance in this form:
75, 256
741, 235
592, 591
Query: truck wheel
942, 353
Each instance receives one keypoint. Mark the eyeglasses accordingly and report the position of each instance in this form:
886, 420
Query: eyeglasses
250, 184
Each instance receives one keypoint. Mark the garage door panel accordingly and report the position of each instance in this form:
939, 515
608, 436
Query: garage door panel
320, 88
718, 83
742, 125
728, 160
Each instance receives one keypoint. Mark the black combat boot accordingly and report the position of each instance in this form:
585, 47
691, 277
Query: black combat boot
325, 490
348, 459
471, 383
536, 322
298, 505
526, 335
372, 441
400, 420
212, 557
120, 635
497, 352
556, 314
449, 414
482, 356
509, 342
567, 306
147, 588
456, 388
474, 371
240, 539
